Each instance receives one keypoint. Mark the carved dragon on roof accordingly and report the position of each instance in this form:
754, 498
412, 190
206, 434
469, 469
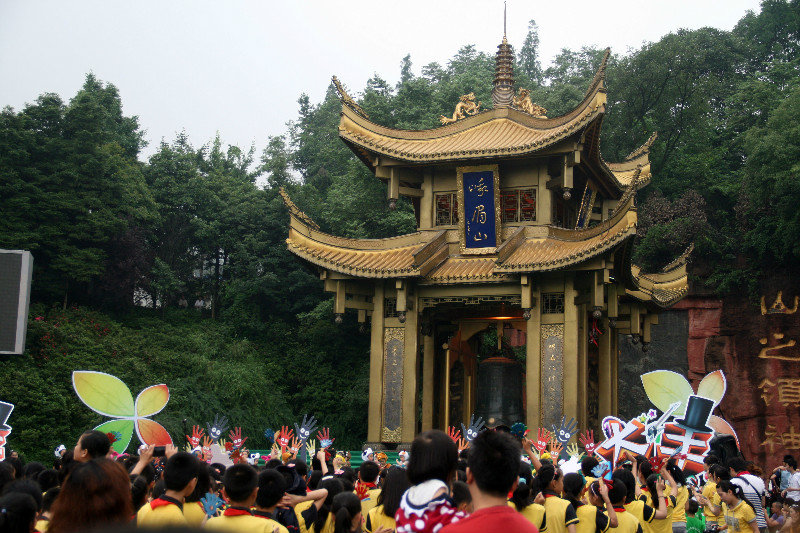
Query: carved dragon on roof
465, 106
522, 101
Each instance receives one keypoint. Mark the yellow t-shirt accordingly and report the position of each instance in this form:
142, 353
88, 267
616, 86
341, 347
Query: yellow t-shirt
626, 521
327, 528
643, 513
679, 515
41, 525
711, 494
591, 519
245, 523
194, 513
738, 518
163, 515
298, 510
376, 519
535, 514
560, 513
370, 502
274, 525
662, 525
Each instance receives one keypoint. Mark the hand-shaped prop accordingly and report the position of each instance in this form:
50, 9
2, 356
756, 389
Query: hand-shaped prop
463, 444
602, 468
587, 441
572, 451
453, 433
324, 436
284, 436
656, 462
211, 504
305, 429
555, 449
311, 447
197, 434
519, 430
362, 491
207, 442
236, 437
218, 427
542, 439
295, 447
475, 427
564, 432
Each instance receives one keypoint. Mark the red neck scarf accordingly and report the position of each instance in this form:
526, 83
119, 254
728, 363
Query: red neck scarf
236, 510
165, 500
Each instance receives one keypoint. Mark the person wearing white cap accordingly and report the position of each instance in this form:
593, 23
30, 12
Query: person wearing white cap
368, 455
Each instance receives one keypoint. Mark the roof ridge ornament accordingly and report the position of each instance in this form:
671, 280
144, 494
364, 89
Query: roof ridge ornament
465, 106
346, 99
600, 75
680, 260
293, 209
523, 103
503, 89
643, 149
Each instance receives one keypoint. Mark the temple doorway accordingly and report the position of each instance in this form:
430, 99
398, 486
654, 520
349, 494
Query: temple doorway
480, 368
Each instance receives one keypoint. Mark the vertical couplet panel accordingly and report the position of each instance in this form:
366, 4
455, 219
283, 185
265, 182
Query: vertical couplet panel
394, 339
552, 374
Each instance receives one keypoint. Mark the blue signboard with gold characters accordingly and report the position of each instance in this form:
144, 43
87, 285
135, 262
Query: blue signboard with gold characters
478, 191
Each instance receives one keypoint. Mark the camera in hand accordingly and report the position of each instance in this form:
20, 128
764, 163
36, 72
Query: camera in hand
159, 451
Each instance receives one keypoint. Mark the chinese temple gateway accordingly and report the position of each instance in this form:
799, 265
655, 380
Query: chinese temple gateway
508, 300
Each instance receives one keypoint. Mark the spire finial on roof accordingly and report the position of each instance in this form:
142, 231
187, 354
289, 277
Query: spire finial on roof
503, 90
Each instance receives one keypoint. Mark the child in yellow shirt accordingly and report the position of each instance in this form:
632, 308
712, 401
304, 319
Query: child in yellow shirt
180, 479
241, 487
739, 516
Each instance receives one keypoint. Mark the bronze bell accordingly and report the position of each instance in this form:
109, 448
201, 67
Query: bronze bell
499, 395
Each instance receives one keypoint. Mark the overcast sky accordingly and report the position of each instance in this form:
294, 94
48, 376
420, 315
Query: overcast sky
238, 66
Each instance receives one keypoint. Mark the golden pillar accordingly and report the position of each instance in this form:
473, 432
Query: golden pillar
571, 363
375, 420
606, 371
409, 402
533, 356
428, 353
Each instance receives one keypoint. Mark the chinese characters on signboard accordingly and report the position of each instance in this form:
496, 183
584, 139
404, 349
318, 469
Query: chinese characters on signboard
479, 210
780, 388
684, 430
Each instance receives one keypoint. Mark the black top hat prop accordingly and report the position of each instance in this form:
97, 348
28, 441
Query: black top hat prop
697, 412
5, 412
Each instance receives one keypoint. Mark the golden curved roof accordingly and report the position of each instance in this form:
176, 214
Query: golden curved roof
638, 159
504, 131
662, 288
434, 256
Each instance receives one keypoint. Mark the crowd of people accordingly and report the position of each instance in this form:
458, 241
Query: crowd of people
495, 482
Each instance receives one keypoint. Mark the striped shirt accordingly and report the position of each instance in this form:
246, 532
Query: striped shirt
753, 488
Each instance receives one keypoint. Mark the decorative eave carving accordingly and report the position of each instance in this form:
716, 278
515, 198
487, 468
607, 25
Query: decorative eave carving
643, 149
295, 211
346, 99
